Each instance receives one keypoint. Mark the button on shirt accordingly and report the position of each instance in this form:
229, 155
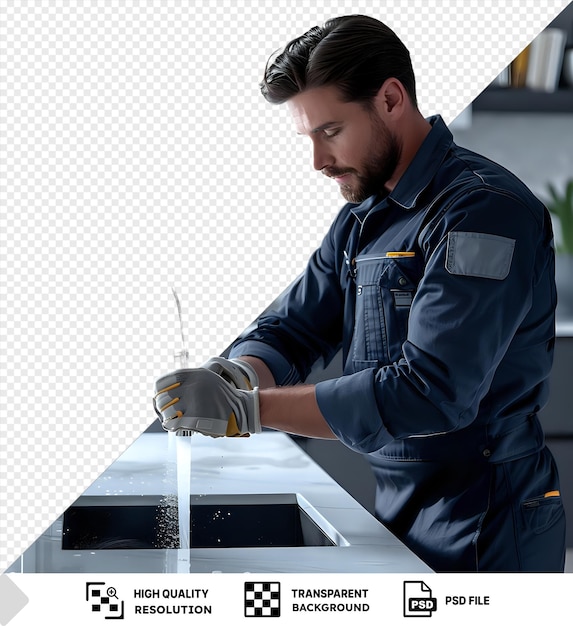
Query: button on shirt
441, 296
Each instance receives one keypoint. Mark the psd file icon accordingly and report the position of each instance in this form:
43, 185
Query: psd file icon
418, 600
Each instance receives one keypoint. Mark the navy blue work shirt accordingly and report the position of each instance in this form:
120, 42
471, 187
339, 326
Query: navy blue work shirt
442, 297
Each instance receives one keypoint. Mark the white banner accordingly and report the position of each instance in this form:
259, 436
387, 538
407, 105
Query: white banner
95, 599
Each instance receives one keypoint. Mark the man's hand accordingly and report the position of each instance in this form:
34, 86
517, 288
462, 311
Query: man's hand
202, 401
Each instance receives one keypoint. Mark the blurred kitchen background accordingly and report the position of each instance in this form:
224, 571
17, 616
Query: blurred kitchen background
525, 122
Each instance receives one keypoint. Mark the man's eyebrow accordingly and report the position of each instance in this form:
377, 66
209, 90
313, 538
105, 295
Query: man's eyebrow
322, 127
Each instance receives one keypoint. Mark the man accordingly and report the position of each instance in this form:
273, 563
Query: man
437, 281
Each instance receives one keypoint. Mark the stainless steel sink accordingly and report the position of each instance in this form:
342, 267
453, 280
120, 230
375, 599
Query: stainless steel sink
217, 521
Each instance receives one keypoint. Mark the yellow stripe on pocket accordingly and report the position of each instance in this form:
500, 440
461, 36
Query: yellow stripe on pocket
399, 255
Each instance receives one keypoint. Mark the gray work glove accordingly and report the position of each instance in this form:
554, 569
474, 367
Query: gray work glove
202, 401
240, 373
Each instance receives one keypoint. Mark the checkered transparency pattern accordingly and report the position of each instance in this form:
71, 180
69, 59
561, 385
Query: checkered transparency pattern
262, 599
137, 155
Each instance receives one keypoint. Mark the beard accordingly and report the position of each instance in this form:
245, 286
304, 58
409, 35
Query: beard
376, 170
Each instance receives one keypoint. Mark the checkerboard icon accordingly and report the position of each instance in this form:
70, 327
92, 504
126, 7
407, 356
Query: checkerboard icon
262, 599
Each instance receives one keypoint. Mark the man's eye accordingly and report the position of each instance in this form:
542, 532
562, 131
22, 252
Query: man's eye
331, 132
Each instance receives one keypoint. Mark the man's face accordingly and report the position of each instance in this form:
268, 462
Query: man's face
351, 143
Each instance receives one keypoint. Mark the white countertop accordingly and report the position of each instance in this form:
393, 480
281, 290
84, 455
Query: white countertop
269, 463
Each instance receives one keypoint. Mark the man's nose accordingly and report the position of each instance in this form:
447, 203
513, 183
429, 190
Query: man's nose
321, 157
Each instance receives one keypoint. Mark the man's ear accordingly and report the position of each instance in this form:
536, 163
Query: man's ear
391, 97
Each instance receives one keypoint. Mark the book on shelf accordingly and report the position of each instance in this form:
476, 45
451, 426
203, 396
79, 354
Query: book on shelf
518, 68
502, 79
538, 66
545, 60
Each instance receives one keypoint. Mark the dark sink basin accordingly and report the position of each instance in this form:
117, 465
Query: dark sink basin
217, 521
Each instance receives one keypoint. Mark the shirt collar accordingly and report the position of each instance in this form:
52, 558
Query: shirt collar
424, 165
419, 173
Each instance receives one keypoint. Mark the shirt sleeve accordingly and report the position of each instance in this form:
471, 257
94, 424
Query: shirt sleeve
307, 322
483, 259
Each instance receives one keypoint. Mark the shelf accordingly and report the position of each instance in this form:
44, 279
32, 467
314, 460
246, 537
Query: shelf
513, 100
522, 100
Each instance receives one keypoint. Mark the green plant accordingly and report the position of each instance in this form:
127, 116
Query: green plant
560, 204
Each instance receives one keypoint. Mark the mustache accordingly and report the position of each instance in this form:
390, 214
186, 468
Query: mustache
333, 172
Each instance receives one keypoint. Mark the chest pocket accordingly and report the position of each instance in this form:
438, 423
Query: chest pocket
385, 288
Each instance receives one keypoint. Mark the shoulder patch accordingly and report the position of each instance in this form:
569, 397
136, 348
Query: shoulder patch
479, 254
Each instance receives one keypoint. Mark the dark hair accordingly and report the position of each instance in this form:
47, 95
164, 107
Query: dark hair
355, 52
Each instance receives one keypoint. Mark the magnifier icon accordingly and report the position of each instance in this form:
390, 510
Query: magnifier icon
111, 592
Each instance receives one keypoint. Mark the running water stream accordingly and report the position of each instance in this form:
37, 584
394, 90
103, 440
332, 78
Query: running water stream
183, 449
174, 514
